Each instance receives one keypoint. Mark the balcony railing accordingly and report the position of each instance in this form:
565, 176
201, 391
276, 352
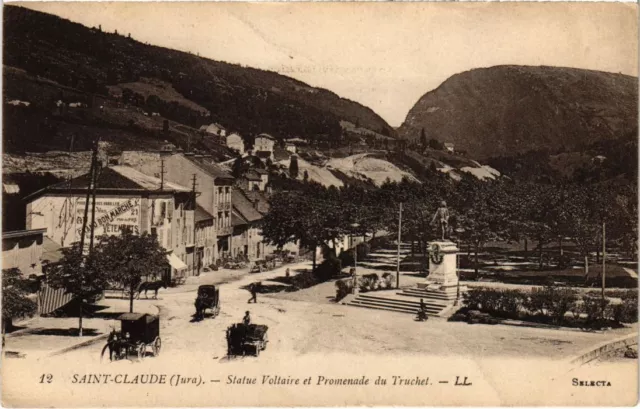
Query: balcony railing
224, 206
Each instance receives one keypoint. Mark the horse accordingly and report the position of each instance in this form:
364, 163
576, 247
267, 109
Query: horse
115, 346
153, 286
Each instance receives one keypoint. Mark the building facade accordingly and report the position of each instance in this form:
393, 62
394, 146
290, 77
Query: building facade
125, 198
213, 186
264, 143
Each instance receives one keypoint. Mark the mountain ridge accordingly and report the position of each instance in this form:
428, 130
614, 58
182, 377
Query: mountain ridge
510, 109
245, 99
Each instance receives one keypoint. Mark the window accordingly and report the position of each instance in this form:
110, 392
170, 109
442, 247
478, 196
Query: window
160, 238
163, 210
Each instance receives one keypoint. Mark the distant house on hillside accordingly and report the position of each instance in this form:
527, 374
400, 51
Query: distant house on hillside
449, 147
264, 143
217, 131
255, 179
235, 142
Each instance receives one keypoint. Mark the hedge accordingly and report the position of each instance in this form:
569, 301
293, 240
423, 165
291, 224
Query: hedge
551, 304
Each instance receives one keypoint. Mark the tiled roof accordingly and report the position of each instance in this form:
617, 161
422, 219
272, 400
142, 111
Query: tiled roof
121, 178
244, 206
261, 171
266, 135
201, 215
252, 175
210, 167
236, 219
258, 196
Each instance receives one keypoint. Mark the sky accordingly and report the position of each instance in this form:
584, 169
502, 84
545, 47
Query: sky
384, 55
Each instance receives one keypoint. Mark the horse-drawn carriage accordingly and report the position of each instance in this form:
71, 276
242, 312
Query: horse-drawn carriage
257, 267
138, 333
243, 339
208, 298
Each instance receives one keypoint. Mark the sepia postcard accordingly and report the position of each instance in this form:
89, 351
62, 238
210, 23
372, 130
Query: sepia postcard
233, 204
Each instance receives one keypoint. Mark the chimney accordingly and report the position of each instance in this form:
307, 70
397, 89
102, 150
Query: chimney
256, 204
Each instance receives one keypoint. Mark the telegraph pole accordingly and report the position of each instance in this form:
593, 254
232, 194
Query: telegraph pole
161, 174
604, 256
94, 183
398, 255
92, 172
193, 190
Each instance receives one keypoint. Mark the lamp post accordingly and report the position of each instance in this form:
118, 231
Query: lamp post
355, 248
460, 231
355, 261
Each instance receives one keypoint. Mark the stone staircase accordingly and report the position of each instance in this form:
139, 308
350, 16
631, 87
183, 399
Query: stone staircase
398, 302
445, 295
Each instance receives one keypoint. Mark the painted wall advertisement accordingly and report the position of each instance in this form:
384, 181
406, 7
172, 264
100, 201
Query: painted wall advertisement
112, 215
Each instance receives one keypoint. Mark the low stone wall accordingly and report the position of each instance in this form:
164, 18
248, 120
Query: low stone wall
604, 349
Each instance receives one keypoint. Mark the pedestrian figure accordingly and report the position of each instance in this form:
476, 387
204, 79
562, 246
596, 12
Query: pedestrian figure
253, 288
286, 273
246, 320
422, 312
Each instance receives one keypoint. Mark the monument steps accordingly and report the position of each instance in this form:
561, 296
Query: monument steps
421, 293
439, 292
393, 304
401, 300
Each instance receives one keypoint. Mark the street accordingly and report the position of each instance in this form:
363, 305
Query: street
310, 335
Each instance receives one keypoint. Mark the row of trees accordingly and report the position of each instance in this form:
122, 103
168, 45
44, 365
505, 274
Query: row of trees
116, 262
481, 212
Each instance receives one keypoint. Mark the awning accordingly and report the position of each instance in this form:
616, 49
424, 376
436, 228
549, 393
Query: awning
175, 262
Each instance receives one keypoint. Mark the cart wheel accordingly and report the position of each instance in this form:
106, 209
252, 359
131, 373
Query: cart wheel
157, 344
142, 349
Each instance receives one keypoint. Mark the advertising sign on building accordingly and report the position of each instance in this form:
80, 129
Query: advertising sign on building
112, 215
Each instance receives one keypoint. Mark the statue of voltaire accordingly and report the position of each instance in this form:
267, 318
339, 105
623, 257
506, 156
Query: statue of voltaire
442, 218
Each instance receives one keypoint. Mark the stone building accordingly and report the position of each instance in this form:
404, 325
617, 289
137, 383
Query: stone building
212, 183
125, 198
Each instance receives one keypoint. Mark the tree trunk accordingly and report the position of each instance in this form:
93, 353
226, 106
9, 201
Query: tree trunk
80, 318
7, 324
412, 248
131, 291
560, 243
597, 255
315, 248
476, 264
526, 249
540, 255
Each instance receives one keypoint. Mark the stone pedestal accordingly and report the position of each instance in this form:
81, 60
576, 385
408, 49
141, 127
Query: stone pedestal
442, 281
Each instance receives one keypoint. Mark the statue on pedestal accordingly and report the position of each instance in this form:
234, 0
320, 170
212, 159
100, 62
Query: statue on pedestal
442, 218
